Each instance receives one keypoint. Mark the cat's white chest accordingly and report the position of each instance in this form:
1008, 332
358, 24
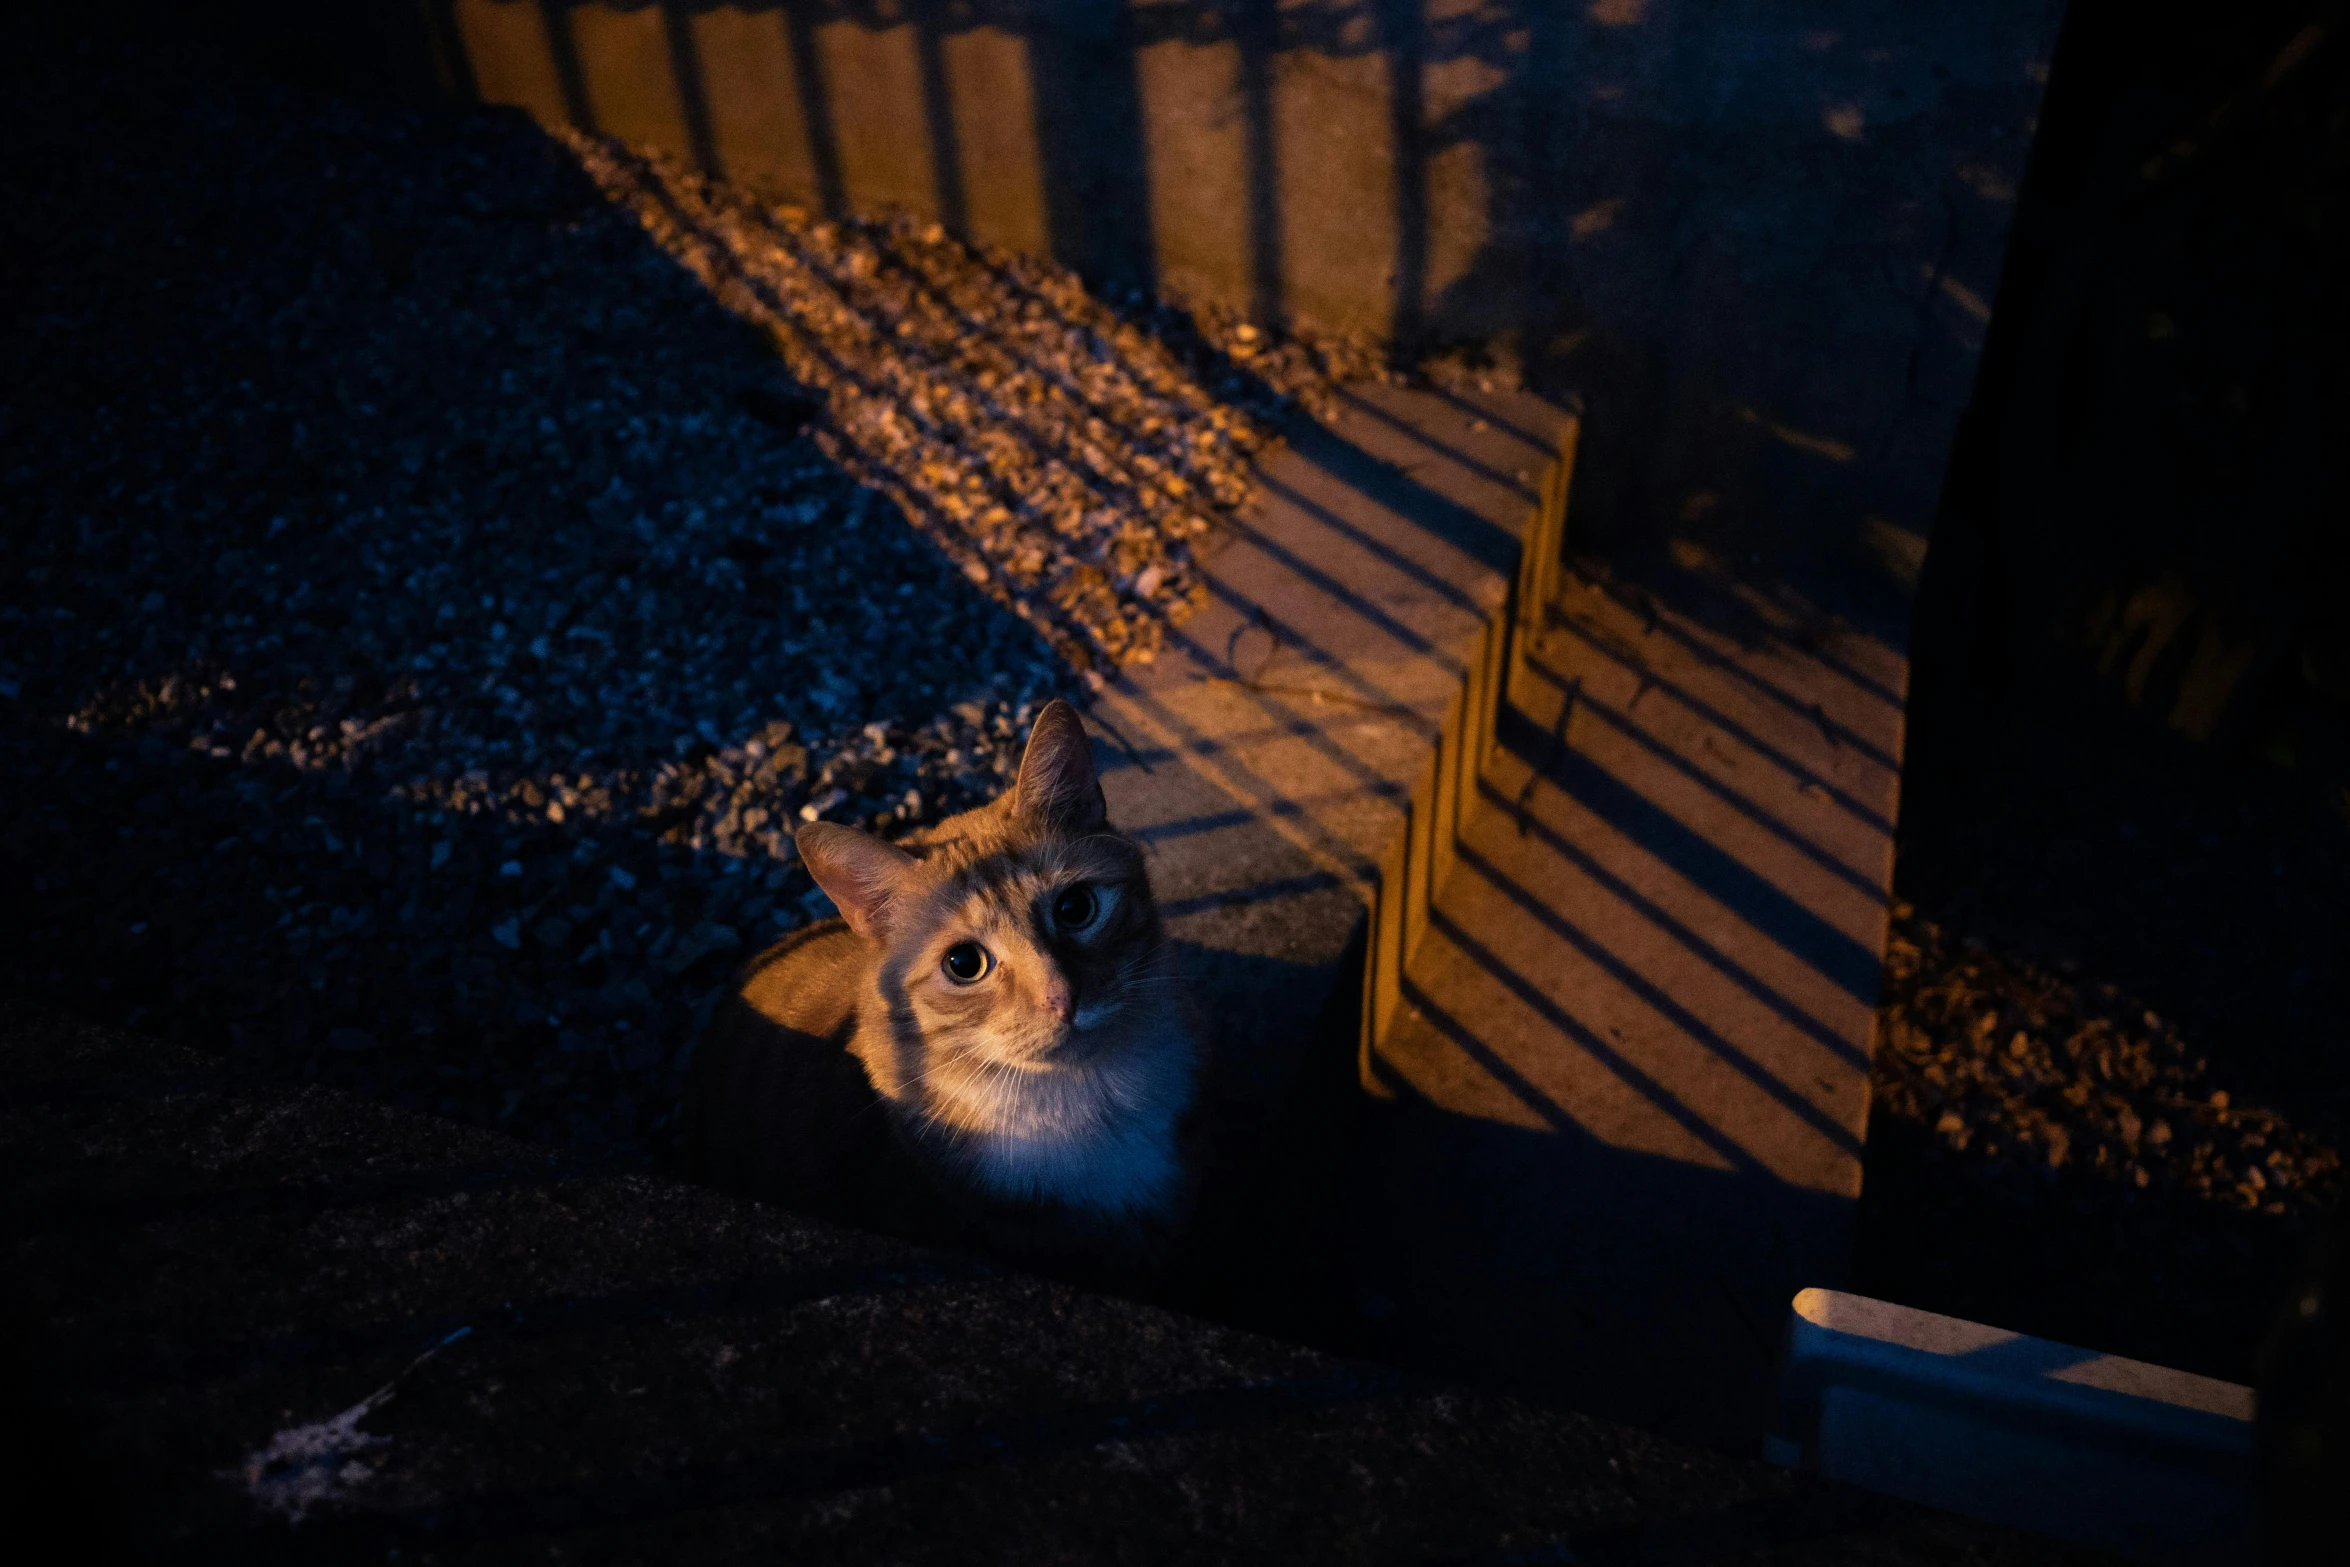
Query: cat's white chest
1124, 1163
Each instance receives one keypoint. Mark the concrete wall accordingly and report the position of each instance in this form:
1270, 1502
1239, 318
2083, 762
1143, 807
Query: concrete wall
1760, 236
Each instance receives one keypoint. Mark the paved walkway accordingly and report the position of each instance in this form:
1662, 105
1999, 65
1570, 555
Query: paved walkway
1627, 1093
1600, 1112
1282, 759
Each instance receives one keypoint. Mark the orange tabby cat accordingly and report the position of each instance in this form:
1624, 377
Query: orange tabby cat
990, 1047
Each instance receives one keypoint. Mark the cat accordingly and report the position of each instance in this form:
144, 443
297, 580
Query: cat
989, 1048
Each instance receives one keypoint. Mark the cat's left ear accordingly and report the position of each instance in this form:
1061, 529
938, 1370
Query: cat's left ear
1057, 782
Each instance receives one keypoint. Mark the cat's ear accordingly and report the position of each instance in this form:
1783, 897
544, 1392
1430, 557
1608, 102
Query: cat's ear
1057, 782
857, 871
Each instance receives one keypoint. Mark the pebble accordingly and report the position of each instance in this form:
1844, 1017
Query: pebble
2085, 1080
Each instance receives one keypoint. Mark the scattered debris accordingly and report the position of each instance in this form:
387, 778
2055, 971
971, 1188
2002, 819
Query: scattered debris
307, 1466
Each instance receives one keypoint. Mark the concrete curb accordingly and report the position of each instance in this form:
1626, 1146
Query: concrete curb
2141, 1460
1301, 760
1625, 1094
1446, 793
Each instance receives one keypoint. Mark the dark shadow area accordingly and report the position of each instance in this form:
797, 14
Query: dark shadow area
1257, 32
563, 54
2066, 865
815, 93
938, 120
2144, 509
1474, 1249
52, 1484
378, 49
653, 1368
547, 1320
1269, 1248
1089, 127
693, 99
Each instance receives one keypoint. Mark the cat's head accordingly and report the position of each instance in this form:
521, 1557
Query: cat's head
1023, 938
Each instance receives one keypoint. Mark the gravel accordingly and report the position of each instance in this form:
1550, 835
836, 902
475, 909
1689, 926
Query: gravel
426, 608
2111, 1093
1064, 452
2034, 1072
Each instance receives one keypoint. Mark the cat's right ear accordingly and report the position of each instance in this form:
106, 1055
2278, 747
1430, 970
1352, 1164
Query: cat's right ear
1057, 782
857, 871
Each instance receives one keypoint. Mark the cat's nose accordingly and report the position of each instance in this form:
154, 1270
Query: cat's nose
1059, 999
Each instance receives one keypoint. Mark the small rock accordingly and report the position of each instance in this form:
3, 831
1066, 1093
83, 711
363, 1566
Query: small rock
701, 942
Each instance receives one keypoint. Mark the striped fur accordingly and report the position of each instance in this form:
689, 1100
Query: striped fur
1040, 1110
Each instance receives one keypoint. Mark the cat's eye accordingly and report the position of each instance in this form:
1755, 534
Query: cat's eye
1075, 907
967, 962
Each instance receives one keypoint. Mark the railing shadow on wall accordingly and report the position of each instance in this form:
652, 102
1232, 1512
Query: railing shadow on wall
1129, 142
1681, 222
